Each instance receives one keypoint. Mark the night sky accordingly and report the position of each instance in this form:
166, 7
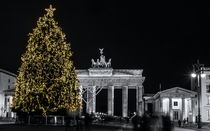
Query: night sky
162, 38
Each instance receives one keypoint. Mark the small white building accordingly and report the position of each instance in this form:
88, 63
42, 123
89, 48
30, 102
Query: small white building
178, 103
7, 83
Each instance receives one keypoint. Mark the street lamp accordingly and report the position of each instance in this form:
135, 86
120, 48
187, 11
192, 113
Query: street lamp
198, 72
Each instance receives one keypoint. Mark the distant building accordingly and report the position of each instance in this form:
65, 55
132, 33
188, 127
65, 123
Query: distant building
178, 103
148, 103
181, 103
205, 95
7, 81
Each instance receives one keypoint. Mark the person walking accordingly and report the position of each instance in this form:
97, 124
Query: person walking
184, 122
179, 123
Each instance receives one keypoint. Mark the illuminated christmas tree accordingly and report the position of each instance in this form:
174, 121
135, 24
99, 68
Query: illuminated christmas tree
46, 80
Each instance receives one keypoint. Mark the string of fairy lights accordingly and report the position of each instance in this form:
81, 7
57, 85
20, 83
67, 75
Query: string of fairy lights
46, 80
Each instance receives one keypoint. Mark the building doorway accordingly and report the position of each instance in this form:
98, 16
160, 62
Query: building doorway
176, 115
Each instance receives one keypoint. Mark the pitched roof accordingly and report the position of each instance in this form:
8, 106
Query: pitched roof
8, 73
174, 89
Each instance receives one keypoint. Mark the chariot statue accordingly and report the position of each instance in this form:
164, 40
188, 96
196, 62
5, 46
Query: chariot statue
102, 62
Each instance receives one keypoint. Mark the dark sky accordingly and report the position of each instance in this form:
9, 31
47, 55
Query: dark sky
162, 38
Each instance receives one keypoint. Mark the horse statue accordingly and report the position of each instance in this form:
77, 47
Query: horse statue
108, 64
94, 64
98, 63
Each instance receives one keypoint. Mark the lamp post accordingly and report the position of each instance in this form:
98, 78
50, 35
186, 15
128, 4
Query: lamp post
198, 70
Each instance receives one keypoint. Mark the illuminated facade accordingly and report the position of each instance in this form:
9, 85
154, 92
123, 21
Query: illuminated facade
176, 102
101, 77
204, 96
7, 80
93, 81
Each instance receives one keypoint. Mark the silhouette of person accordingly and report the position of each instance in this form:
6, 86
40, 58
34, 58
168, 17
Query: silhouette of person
167, 125
79, 123
68, 120
136, 123
184, 122
145, 122
179, 123
87, 122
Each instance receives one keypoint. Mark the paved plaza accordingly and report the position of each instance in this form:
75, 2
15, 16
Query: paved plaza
56, 128
13, 127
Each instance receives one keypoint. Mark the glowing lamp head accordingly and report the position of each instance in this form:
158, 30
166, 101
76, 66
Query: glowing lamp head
193, 75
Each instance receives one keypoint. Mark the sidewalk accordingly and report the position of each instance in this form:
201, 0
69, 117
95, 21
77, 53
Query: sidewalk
204, 128
194, 127
115, 124
129, 126
6, 122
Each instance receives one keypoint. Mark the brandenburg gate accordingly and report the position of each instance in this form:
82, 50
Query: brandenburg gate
102, 76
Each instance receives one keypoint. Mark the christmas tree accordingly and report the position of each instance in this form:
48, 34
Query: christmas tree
46, 80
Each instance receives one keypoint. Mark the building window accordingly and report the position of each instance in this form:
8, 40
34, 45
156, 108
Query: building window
208, 100
8, 80
175, 103
5, 102
207, 77
208, 88
8, 86
208, 114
